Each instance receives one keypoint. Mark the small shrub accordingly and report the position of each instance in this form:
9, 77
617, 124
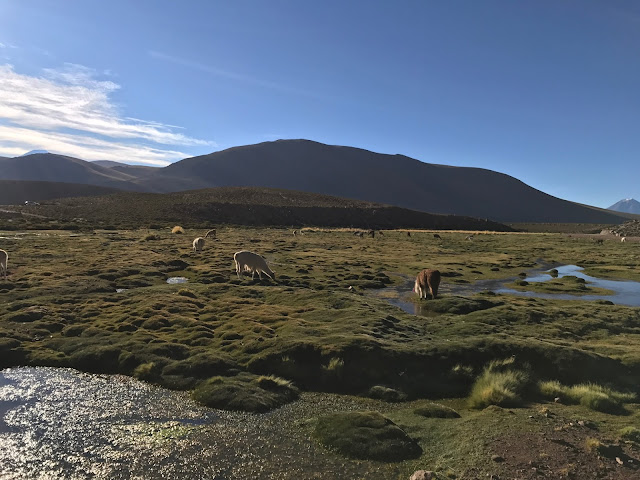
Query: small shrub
150, 237
551, 389
462, 371
185, 292
177, 230
592, 445
336, 365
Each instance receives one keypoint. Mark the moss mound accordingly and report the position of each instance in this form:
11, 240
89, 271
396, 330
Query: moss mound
460, 305
435, 410
366, 435
245, 392
387, 394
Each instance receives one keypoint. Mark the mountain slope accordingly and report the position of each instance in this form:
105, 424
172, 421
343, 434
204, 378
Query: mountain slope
251, 206
628, 205
50, 167
14, 192
132, 171
364, 175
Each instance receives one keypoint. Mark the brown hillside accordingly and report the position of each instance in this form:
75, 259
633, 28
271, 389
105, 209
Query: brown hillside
390, 179
14, 192
250, 206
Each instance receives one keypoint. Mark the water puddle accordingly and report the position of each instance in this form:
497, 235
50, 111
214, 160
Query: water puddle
176, 280
626, 292
61, 423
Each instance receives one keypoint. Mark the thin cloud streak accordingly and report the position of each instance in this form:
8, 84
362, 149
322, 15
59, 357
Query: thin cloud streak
239, 77
70, 110
15, 141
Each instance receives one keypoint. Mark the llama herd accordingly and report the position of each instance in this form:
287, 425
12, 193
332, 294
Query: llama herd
426, 283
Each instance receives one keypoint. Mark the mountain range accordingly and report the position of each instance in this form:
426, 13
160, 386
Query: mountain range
308, 166
628, 205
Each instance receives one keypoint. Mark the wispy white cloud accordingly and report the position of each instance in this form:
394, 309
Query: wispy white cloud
15, 141
69, 111
239, 77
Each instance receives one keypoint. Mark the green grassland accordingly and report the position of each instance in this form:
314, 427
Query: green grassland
229, 338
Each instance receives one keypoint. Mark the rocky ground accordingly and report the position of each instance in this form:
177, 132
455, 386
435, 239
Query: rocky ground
627, 229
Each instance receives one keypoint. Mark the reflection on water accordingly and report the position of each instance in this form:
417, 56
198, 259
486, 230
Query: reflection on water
625, 292
60, 423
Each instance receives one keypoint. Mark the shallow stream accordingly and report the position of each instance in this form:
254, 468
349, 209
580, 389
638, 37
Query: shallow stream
61, 423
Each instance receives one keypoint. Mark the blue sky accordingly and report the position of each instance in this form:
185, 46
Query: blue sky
546, 91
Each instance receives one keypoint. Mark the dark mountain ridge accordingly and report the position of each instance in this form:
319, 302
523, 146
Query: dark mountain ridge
347, 172
360, 174
49, 167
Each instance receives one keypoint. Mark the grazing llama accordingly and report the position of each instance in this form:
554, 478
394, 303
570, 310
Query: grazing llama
253, 262
198, 244
427, 282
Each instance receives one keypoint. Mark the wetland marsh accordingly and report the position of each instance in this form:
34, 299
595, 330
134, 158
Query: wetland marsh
99, 302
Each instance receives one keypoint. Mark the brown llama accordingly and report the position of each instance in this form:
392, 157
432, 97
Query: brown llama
427, 282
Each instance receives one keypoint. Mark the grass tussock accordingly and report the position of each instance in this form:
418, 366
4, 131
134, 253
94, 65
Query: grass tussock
177, 230
499, 384
590, 395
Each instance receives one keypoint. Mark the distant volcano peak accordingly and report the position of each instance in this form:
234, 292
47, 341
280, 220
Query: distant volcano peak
33, 152
628, 205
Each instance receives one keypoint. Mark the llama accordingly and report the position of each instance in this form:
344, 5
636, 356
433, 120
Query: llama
253, 262
4, 258
211, 233
623, 239
435, 235
427, 282
198, 244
